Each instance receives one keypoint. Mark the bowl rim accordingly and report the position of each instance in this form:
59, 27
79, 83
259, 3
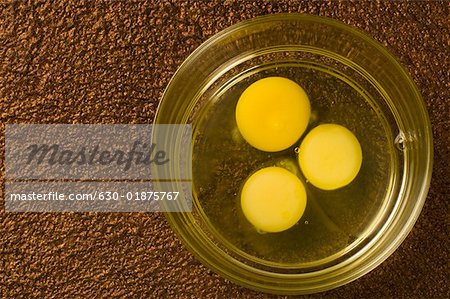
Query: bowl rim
379, 257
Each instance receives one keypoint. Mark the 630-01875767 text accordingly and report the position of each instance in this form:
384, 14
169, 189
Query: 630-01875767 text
97, 195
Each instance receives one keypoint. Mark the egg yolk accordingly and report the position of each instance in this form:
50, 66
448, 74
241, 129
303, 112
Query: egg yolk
273, 199
273, 113
330, 156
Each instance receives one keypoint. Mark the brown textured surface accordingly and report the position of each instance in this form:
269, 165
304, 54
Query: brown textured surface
108, 62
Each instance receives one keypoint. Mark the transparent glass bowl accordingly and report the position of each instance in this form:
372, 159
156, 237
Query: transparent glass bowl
282, 40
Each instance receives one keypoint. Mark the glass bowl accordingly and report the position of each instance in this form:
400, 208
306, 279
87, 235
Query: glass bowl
351, 79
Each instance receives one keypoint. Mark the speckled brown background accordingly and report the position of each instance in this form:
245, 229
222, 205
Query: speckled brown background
108, 62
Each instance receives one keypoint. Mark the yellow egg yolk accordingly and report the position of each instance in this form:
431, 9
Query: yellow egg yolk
273, 199
273, 113
330, 156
